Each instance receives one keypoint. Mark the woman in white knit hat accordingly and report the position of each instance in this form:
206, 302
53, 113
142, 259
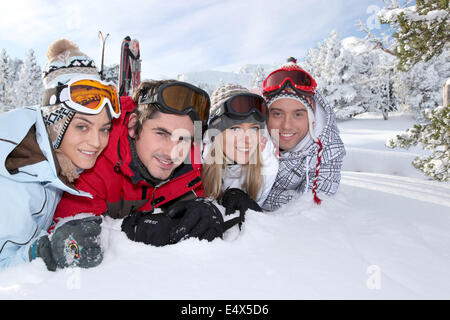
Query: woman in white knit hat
240, 162
43, 150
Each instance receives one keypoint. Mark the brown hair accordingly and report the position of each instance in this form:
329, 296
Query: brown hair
145, 111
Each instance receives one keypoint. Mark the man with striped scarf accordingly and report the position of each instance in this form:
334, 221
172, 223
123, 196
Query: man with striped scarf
304, 124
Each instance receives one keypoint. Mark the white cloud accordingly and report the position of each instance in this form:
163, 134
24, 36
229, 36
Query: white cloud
178, 36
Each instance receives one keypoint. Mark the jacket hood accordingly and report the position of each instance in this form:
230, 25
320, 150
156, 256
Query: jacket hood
326, 130
25, 151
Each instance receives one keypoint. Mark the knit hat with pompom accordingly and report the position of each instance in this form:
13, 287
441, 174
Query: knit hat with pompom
64, 62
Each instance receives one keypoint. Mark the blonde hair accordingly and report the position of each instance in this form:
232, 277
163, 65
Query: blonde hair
215, 166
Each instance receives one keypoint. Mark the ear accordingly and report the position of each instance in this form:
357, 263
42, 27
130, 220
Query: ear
131, 125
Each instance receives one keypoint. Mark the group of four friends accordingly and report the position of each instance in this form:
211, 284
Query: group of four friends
170, 161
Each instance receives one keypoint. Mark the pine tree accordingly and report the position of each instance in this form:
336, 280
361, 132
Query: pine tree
111, 73
433, 135
29, 87
420, 32
258, 77
6, 76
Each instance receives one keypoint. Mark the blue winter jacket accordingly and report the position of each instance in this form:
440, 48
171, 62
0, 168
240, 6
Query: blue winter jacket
28, 194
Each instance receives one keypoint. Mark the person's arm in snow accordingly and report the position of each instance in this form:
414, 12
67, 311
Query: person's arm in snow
14, 253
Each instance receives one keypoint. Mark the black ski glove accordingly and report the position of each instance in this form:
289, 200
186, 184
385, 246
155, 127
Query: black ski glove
74, 244
149, 228
235, 199
197, 218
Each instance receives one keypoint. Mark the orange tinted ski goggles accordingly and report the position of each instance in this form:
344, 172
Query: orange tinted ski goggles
85, 95
180, 98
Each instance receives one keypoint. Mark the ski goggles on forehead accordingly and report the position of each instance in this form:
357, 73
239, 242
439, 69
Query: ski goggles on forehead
180, 98
85, 95
300, 80
243, 105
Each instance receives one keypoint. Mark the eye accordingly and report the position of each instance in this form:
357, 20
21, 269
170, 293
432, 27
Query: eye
106, 130
184, 140
254, 128
275, 114
81, 127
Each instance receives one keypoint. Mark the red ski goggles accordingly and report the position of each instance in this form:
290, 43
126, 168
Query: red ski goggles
243, 105
300, 80
180, 98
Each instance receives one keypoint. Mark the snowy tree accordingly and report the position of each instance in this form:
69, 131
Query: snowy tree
111, 73
420, 87
6, 77
434, 135
349, 79
29, 86
420, 31
258, 77
415, 33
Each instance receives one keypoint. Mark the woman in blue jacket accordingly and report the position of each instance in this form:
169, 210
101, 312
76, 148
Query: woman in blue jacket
42, 150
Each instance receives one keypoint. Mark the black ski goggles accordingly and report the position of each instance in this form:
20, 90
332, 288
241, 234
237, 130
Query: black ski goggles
180, 98
243, 105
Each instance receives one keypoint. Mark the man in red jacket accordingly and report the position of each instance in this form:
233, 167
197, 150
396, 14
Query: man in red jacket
152, 161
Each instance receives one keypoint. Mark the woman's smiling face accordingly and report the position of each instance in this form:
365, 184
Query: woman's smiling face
240, 142
86, 137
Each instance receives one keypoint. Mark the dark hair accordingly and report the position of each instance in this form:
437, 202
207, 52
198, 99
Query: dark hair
145, 111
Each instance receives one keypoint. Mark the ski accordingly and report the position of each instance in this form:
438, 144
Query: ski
102, 43
135, 64
130, 66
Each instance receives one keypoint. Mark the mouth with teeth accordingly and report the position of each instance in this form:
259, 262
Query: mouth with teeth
164, 163
89, 154
287, 136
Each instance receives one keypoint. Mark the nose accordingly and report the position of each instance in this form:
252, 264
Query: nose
95, 139
174, 150
286, 123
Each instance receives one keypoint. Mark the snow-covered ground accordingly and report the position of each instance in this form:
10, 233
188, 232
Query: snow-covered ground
385, 235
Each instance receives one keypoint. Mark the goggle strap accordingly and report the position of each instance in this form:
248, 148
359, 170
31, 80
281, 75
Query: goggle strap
145, 99
47, 97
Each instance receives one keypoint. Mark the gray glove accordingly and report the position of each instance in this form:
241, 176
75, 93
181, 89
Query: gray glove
74, 244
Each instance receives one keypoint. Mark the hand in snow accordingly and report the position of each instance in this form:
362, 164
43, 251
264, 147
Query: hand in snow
197, 219
152, 228
74, 244
77, 243
235, 199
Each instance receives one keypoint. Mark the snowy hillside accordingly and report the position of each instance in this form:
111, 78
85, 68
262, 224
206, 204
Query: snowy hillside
210, 80
385, 235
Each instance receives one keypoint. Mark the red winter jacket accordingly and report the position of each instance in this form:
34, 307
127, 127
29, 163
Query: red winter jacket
109, 181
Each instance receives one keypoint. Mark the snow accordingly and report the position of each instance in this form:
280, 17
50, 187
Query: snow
356, 45
383, 236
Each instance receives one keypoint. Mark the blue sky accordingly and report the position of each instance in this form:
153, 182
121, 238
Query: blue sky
178, 36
